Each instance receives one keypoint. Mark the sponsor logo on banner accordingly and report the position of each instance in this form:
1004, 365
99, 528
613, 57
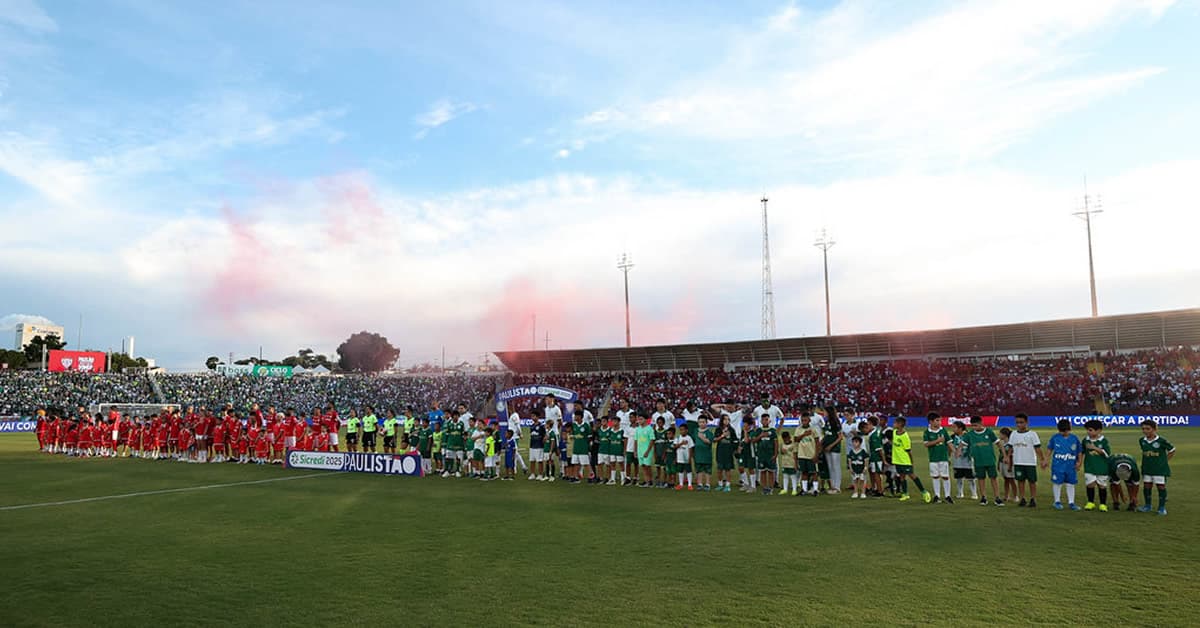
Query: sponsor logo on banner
76, 361
331, 461
387, 464
536, 390
14, 424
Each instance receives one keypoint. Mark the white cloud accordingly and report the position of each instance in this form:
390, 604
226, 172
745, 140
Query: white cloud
27, 15
37, 165
977, 238
440, 113
562, 153
10, 321
220, 123
961, 84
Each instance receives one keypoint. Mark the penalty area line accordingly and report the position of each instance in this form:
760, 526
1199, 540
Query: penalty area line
164, 491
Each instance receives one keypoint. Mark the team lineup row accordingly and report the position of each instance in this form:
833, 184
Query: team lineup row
649, 450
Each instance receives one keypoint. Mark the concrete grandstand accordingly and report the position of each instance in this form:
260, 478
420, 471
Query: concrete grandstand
1076, 337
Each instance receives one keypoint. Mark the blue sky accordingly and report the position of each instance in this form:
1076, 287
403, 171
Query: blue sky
210, 179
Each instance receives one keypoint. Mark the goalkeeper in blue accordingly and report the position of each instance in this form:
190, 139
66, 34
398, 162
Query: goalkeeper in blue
1066, 456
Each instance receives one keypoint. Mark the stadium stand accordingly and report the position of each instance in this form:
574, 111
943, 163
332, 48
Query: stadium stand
1119, 364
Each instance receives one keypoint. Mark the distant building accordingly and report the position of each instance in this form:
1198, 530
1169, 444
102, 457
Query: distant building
26, 331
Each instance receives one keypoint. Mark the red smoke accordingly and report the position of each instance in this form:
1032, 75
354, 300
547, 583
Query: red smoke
350, 208
577, 318
243, 280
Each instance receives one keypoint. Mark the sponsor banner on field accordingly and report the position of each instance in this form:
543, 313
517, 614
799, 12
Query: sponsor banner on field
15, 424
386, 464
75, 361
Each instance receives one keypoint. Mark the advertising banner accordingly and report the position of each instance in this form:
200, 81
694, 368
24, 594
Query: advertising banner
1046, 421
384, 464
262, 370
15, 424
233, 370
61, 361
567, 396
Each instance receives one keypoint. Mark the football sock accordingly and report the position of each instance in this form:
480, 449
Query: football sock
1103, 495
1056, 489
1162, 498
1071, 493
903, 486
917, 481
1091, 495
1146, 494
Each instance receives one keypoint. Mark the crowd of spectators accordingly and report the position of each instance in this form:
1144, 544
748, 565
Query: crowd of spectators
21, 392
1160, 381
344, 392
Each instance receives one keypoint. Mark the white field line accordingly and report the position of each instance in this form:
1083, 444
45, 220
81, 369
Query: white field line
164, 491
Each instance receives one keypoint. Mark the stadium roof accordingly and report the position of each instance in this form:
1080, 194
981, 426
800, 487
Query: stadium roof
1068, 336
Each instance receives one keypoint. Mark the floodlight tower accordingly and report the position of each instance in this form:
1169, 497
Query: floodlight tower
825, 242
1090, 206
768, 297
624, 263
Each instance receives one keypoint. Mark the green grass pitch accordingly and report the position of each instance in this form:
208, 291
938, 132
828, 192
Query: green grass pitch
366, 549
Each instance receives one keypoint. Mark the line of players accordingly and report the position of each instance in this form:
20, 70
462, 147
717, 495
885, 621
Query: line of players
648, 450
188, 436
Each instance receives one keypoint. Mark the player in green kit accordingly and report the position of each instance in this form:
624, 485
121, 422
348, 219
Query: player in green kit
437, 449
858, 458
747, 465
981, 442
550, 452
703, 453
936, 440
766, 445
902, 458
1124, 476
1095, 464
581, 446
1156, 465
660, 453
454, 445
644, 448
875, 466
726, 439
425, 445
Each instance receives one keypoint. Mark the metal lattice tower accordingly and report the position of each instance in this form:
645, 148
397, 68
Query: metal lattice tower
768, 296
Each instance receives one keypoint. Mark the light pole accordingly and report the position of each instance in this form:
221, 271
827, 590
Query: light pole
1086, 214
624, 263
824, 242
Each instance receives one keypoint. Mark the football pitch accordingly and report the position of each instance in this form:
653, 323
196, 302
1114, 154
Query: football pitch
228, 544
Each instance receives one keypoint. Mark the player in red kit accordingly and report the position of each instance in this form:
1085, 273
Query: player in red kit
186, 440
321, 440
279, 436
262, 449
218, 439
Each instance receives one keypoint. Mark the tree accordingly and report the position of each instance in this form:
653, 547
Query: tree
366, 351
119, 361
14, 359
33, 350
212, 362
